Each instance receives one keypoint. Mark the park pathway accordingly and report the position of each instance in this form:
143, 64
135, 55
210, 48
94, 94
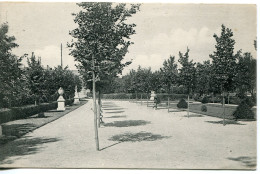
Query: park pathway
135, 136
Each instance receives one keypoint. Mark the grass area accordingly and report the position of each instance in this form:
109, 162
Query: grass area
17, 128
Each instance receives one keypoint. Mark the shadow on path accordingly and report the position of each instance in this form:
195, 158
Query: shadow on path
107, 106
245, 160
108, 103
127, 123
226, 122
113, 108
193, 115
22, 147
175, 110
116, 116
115, 112
137, 137
17, 129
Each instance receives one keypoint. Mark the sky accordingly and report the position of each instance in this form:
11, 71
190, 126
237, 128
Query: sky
162, 30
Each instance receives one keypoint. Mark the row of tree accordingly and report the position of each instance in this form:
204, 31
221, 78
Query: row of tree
227, 72
33, 84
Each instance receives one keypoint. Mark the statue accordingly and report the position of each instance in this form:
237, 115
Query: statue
76, 96
152, 95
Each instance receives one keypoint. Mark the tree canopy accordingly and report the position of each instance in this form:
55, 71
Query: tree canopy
187, 72
102, 35
169, 73
224, 60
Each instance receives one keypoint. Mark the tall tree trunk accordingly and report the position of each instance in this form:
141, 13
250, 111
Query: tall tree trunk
99, 108
223, 105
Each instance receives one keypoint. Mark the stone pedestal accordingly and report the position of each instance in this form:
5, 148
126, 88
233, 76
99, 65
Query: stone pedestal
61, 101
76, 100
61, 104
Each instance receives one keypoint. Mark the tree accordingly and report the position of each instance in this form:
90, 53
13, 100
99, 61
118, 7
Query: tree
35, 78
10, 71
102, 41
142, 80
203, 72
156, 82
224, 61
246, 74
104, 35
169, 73
63, 77
128, 81
187, 72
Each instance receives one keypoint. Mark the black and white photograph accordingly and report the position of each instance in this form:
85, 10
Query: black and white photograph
128, 85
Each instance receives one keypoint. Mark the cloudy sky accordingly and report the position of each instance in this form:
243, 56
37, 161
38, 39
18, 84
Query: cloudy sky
162, 30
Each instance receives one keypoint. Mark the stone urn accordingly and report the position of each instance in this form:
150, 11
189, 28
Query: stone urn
61, 100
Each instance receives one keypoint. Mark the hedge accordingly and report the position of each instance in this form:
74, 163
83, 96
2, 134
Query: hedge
205, 100
23, 112
161, 97
118, 96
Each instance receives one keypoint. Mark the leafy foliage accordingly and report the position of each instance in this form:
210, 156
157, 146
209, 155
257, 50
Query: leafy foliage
102, 35
244, 111
204, 108
10, 71
224, 61
34, 83
187, 73
169, 74
203, 72
182, 104
205, 100
35, 77
245, 78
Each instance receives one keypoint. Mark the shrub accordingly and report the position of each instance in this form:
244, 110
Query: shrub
244, 111
182, 104
204, 108
69, 102
196, 97
205, 100
248, 101
234, 100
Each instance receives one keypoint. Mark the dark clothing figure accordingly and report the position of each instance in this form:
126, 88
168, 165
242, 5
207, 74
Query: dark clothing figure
155, 102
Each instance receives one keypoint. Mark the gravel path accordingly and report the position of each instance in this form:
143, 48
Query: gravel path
135, 136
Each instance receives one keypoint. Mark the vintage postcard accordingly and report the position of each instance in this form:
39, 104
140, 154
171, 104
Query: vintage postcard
128, 85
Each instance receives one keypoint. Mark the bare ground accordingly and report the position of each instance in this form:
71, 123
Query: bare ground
135, 136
